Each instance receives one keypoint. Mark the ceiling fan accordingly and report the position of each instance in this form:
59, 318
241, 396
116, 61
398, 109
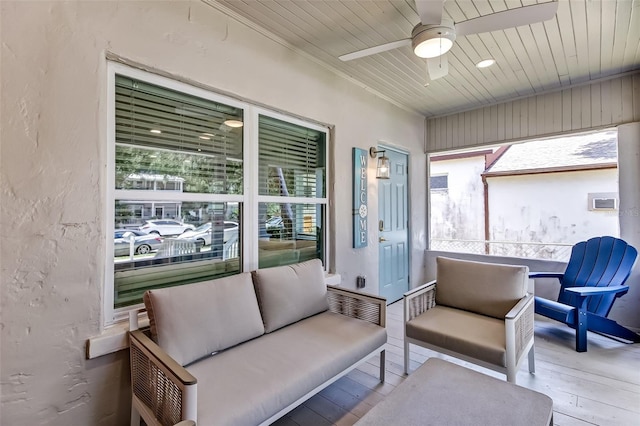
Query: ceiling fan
434, 35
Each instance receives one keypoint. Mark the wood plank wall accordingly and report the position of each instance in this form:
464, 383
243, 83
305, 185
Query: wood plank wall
596, 105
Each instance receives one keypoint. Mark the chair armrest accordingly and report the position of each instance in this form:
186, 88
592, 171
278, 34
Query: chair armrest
519, 326
356, 304
420, 289
419, 300
593, 291
557, 275
519, 308
166, 391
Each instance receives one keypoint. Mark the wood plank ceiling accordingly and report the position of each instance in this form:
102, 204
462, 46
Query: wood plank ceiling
587, 40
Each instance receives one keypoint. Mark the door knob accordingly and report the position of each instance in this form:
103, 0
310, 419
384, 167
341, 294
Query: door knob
381, 239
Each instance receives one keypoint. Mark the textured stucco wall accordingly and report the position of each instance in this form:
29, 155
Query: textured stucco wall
53, 163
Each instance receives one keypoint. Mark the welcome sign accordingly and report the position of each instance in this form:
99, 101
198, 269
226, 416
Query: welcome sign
360, 161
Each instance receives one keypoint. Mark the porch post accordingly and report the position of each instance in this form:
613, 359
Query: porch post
625, 311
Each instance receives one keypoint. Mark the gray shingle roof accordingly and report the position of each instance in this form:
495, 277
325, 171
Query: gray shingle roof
582, 150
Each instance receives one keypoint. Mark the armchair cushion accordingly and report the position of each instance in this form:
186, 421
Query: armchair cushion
484, 288
191, 322
462, 332
287, 294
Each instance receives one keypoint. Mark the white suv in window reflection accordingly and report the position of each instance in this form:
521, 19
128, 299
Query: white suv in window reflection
202, 233
274, 225
165, 227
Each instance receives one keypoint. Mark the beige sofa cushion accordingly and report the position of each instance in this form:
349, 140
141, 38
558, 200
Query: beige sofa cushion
287, 294
484, 288
192, 321
253, 381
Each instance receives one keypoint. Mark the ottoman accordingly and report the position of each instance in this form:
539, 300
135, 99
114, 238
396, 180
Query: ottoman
442, 393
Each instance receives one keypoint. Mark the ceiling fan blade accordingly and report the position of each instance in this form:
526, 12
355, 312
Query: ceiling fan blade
508, 19
437, 67
430, 11
376, 49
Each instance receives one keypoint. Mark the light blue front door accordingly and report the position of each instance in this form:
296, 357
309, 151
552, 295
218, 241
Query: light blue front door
393, 228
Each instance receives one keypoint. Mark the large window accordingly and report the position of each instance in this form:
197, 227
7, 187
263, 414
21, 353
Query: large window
291, 192
187, 184
534, 199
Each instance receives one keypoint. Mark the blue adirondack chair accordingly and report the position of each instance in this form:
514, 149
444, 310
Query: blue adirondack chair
593, 280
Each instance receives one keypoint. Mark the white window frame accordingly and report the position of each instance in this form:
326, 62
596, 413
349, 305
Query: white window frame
439, 175
249, 198
256, 112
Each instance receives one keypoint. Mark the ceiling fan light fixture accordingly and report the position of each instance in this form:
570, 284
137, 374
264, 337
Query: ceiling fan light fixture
233, 123
431, 41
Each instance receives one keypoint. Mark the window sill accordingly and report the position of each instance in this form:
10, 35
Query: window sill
114, 338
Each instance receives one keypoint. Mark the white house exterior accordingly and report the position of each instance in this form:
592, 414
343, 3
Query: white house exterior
138, 211
457, 211
547, 194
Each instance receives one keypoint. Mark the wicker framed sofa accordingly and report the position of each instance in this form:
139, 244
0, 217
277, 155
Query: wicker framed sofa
246, 349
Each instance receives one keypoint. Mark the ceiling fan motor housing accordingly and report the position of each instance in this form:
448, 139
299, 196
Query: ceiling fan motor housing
432, 40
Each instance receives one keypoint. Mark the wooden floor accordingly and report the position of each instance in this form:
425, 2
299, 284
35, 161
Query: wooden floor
598, 387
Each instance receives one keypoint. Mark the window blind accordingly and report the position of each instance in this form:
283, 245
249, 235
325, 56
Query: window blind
291, 159
161, 132
156, 117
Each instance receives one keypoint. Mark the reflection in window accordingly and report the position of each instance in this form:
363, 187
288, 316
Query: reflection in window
292, 233
164, 253
292, 166
292, 159
179, 173
172, 142
167, 140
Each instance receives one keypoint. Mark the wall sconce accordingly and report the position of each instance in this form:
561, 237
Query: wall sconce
382, 170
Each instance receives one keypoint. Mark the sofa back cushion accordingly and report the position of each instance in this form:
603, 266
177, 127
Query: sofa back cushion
287, 294
484, 288
192, 321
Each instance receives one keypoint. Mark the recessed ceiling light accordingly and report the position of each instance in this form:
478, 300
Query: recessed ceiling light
155, 131
233, 123
206, 138
208, 134
485, 63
